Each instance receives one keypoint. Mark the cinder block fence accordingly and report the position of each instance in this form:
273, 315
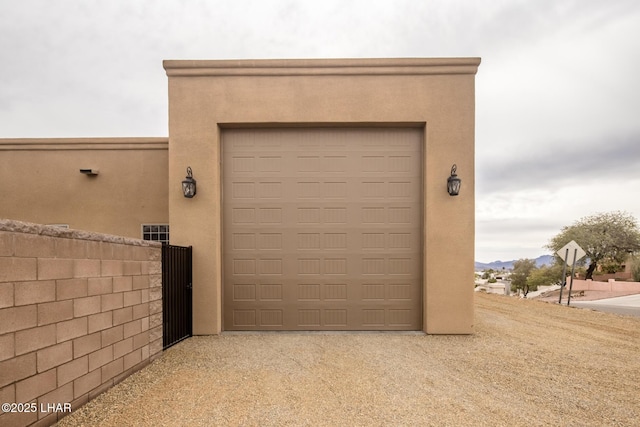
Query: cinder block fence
79, 312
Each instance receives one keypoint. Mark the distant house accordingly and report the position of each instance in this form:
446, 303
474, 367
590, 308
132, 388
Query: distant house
623, 273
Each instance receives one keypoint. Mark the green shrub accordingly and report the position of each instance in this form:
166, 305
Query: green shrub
635, 269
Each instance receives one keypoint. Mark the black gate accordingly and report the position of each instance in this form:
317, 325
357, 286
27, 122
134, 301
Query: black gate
176, 294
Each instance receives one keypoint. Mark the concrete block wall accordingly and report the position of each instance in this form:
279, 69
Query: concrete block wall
79, 312
608, 286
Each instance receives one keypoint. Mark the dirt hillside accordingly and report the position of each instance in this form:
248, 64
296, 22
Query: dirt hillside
529, 363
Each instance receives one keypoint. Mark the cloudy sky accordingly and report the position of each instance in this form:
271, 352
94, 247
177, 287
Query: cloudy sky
557, 93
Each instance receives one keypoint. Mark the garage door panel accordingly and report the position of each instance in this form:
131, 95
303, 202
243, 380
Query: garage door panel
322, 229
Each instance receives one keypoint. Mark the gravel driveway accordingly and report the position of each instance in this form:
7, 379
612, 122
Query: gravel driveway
529, 363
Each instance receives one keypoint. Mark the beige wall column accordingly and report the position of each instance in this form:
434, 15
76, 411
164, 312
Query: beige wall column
450, 221
437, 94
197, 221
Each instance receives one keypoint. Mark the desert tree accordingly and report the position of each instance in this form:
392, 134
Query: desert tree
605, 237
521, 271
545, 276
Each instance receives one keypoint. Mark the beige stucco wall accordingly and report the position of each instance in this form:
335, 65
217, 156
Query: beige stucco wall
40, 181
435, 94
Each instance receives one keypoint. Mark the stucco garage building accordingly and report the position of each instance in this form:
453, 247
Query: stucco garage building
321, 192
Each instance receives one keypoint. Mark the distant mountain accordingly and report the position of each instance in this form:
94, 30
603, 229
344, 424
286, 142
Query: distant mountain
508, 265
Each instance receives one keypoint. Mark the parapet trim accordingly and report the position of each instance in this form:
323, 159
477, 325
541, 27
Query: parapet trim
56, 144
320, 67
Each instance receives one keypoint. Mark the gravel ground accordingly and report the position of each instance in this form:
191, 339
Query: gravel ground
528, 363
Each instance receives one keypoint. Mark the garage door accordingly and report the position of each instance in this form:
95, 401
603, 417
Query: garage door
322, 229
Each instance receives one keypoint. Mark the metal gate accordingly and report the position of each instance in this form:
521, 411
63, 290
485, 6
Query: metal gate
176, 294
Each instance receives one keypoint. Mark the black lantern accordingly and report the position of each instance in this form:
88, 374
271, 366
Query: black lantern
189, 184
453, 182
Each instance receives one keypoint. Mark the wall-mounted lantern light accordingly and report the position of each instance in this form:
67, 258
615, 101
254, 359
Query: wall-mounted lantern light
189, 184
453, 182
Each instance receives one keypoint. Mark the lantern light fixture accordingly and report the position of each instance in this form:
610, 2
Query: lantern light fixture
453, 182
189, 184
